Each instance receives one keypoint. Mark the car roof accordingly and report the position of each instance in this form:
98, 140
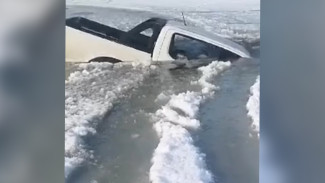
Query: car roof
209, 37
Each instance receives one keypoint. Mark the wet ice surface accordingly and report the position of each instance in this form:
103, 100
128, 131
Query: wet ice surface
90, 92
125, 139
231, 153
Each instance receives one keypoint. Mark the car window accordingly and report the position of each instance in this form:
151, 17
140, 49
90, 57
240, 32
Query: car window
142, 37
185, 47
148, 32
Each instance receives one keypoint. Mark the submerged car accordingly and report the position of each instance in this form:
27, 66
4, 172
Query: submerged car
156, 40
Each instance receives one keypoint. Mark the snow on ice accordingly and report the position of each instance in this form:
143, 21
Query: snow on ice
228, 18
204, 5
91, 91
176, 159
253, 105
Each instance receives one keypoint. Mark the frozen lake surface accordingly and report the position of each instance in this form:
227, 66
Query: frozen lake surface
117, 114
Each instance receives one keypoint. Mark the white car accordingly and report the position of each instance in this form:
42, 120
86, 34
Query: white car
153, 41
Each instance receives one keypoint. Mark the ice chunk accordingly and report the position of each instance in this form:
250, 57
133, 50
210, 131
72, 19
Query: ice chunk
253, 105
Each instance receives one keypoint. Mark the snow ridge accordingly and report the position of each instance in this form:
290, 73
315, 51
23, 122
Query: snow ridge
90, 93
176, 159
253, 105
